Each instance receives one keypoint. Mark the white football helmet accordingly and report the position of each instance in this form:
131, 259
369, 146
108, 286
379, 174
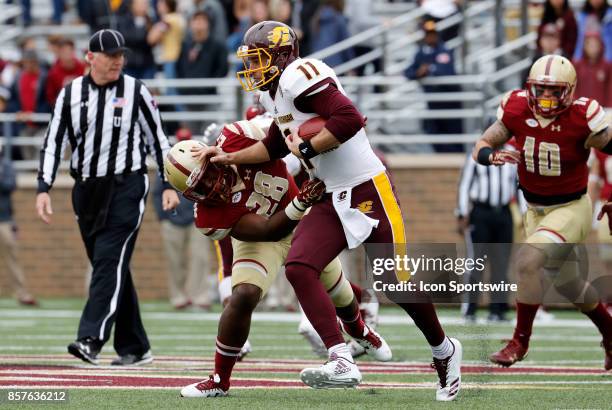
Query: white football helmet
206, 182
550, 85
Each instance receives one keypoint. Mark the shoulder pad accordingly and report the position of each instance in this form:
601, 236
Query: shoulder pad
303, 73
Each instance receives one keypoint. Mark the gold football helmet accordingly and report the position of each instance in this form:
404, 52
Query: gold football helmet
550, 85
206, 182
267, 49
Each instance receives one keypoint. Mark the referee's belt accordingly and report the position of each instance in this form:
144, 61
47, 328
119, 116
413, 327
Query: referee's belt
486, 205
80, 178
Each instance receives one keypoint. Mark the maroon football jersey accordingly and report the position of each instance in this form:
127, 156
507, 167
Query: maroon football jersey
605, 173
263, 189
553, 156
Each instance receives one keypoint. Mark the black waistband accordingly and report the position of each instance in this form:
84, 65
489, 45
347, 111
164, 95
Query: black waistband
77, 177
551, 199
486, 205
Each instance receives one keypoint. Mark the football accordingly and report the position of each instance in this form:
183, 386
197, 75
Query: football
311, 128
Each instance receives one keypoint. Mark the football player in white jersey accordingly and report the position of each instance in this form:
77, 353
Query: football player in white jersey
295, 90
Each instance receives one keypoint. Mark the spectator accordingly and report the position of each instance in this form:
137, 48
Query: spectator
596, 15
66, 68
549, 42
361, 17
135, 26
280, 10
169, 34
29, 97
593, 72
101, 14
218, 20
438, 10
431, 60
192, 258
559, 13
58, 10
201, 57
257, 12
8, 229
303, 13
329, 27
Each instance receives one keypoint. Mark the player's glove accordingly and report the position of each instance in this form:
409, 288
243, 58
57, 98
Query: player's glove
311, 192
606, 209
502, 156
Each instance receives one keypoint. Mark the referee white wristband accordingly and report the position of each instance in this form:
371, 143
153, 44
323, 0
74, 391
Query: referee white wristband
295, 210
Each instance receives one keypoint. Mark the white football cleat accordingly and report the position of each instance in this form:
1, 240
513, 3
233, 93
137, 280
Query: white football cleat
372, 343
246, 349
206, 388
449, 373
338, 372
306, 329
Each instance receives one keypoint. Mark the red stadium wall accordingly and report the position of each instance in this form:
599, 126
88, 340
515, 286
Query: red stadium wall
54, 260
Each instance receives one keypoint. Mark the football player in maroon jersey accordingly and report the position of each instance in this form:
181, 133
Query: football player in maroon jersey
554, 134
258, 206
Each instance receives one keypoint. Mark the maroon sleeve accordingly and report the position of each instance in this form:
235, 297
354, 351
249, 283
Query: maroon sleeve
275, 143
343, 118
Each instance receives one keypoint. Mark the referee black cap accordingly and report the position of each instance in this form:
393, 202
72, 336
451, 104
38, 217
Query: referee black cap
107, 41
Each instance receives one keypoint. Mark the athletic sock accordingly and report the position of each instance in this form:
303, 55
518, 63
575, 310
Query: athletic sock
525, 315
351, 319
225, 359
602, 319
340, 350
443, 350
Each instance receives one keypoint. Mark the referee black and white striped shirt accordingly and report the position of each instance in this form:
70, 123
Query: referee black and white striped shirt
110, 129
491, 186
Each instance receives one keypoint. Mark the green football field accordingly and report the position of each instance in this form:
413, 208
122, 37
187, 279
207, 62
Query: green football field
564, 368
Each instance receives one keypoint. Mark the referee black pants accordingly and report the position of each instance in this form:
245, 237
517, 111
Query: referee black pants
109, 212
491, 234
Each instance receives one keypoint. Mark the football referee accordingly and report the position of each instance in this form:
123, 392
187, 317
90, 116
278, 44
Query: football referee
111, 122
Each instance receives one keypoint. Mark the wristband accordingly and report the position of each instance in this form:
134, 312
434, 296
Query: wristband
483, 155
307, 150
295, 210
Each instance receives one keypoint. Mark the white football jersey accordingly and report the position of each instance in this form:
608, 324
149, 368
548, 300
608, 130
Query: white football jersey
354, 161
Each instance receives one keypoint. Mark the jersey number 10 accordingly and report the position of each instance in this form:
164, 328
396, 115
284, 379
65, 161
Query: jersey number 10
548, 158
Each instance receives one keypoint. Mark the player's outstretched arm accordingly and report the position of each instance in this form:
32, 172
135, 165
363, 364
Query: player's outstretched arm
486, 150
255, 154
256, 228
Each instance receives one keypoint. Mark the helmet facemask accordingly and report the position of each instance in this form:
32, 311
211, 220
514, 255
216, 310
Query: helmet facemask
258, 70
549, 98
211, 184
268, 48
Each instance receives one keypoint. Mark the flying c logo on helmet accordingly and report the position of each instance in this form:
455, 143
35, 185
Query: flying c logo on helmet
279, 36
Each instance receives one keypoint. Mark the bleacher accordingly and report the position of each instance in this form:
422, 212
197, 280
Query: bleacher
394, 105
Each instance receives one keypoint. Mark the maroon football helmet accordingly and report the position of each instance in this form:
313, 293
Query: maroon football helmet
267, 49
211, 185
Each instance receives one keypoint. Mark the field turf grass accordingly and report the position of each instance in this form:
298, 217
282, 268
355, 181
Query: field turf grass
564, 368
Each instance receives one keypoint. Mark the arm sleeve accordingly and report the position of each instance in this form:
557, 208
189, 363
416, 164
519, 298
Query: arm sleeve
150, 123
275, 143
326, 100
55, 142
